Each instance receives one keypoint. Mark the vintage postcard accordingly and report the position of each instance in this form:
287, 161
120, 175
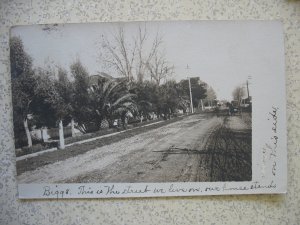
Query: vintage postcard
144, 109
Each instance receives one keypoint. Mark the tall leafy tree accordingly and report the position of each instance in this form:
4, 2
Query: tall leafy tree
51, 105
82, 112
62, 104
169, 97
65, 89
21, 62
143, 98
23, 86
42, 105
198, 89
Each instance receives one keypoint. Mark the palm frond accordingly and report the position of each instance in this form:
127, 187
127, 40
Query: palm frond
125, 98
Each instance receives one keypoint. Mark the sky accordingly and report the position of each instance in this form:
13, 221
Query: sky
223, 54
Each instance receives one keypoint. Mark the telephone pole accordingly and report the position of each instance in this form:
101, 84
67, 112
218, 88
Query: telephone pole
247, 89
191, 97
190, 87
247, 83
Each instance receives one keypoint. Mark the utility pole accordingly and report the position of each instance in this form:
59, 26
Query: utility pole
247, 89
191, 97
190, 87
249, 78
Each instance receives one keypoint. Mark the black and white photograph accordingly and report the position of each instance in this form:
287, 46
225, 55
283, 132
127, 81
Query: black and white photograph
137, 102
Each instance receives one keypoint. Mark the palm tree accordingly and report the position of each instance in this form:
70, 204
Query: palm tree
110, 100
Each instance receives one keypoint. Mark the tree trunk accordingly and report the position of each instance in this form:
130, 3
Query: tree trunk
42, 137
202, 107
72, 127
27, 133
110, 123
43, 134
61, 144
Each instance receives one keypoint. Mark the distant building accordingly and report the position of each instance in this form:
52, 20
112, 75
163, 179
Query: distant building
95, 79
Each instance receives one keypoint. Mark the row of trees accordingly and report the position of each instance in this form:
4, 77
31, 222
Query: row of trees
49, 98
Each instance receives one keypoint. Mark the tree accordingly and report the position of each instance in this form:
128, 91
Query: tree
144, 57
198, 90
63, 104
211, 94
238, 94
21, 62
159, 68
183, 103
129, 57
82, 112
169, 98
143, 98
110, 100
43, 112
211, 97
23, 86
98, 100
65, 90
120, 55
51, 105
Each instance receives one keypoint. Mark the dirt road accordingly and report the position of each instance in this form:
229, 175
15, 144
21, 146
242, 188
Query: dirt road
165, 154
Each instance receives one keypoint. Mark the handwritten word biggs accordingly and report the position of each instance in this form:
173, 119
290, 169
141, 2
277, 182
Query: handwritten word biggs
56, 192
